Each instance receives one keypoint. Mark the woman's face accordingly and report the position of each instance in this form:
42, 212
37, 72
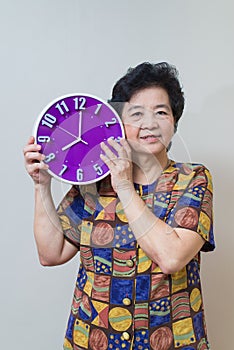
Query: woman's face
148, 121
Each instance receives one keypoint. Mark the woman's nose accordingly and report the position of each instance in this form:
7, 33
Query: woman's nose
150, 120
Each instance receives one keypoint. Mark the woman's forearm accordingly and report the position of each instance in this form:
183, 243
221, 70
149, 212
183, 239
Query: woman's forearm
47, 228
170, 248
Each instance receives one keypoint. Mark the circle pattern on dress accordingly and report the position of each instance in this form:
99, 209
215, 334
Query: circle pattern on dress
195, 299
186, 217
98, 340
102, 234
120, 319
161, 339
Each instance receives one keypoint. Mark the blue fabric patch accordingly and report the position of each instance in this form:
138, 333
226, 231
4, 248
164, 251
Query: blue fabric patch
160, 312
198, 325
84, 315
115, 340
159, 211
161, 201
98, 209
142, 287
192, 197
70, 326
211, 237
102, 260
141, 340
81, 278
120, 289
193, 273
76, 210
124, 237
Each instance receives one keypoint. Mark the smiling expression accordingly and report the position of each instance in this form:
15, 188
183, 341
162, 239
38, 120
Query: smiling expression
148, 121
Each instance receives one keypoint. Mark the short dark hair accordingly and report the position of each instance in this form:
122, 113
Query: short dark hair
146, 75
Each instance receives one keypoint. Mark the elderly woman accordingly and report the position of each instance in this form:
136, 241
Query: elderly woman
139, 231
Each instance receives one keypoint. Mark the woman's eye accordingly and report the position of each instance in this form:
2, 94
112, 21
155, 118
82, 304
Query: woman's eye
161, 114
137, 114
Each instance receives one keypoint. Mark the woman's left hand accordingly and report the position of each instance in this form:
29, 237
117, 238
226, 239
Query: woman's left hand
119, 163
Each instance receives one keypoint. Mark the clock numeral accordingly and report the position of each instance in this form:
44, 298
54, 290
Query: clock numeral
80, 103
79, 174
49, 120
98, 169
99, 105
50, 157
43, 139
63, 170
117, 139
62, 105
113, 121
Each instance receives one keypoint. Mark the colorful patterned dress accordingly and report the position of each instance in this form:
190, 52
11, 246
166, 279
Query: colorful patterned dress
122, 300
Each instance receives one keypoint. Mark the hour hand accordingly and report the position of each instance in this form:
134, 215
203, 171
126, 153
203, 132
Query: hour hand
79, 139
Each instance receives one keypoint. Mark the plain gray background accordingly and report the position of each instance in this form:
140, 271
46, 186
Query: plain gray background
53, 47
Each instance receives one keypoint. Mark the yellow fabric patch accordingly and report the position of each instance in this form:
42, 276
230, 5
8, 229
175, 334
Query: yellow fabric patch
120, 212
204, 225
105, 201
65, 222
183, 181
89, 283
81, 334
209, 178
195, 299
67, 345
99, 306
143, 261
183, 332
86, 230
60, 209
179, 280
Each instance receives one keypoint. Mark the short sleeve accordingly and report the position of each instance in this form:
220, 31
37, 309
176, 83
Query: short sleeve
70, 212
194, 205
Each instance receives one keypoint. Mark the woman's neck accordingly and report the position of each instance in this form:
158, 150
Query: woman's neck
147, 169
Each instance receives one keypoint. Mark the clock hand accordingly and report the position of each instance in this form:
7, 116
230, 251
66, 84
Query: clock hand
79, 139
67, 132
71, 144
80, 122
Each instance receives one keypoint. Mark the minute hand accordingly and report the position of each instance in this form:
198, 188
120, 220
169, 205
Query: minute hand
80, 122
66, 131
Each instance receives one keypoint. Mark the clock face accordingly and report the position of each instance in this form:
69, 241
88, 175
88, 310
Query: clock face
70, 130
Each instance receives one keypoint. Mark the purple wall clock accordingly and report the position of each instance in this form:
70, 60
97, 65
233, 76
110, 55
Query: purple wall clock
70, 130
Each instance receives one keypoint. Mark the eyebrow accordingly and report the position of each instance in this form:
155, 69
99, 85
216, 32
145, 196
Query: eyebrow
163, 106
134, 107
156, 107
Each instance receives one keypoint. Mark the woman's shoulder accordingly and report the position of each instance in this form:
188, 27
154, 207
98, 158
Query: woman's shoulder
189, 167
188, 171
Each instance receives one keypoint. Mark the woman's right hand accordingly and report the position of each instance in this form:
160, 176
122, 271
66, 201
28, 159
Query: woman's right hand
34, 164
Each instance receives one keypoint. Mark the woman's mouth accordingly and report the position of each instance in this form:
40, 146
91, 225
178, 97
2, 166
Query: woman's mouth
150, 138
